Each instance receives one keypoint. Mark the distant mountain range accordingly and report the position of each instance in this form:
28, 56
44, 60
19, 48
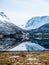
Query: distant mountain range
13, 37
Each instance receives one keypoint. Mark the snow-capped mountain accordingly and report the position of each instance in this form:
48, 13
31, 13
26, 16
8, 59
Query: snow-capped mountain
3, 17
36, 22
9, 34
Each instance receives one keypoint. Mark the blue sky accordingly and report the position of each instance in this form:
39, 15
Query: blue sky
21, 10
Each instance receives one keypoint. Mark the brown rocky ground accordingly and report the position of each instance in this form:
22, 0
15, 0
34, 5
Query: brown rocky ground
24, 58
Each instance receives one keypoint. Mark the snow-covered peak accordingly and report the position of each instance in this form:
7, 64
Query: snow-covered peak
36, 22
3, 17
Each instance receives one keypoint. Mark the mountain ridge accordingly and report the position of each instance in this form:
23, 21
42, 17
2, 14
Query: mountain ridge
36, 22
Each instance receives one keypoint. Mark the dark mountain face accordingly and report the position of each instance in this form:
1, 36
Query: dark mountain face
43, 29
40, 36
10, 35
